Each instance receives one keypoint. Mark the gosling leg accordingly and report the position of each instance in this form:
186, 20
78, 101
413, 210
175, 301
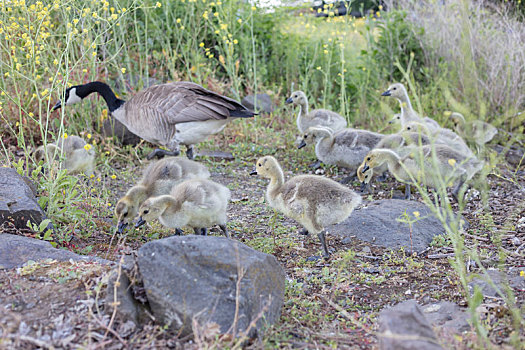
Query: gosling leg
189, 152
322, 238
197, 231
455, 191
178, 232
407, 192
224, 231
204, 231
161, 153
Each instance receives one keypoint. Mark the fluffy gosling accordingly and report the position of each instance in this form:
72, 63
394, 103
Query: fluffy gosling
197, 203
475, 131
345, 148
442, 136
158, 179
313, 201
317, 117
428, 165
79, 157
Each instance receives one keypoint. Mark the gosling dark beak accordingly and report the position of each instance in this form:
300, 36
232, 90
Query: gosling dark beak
140, 222
121, 227
254, 172
288, 100
57, 106
391, 122
303, 143
386, 93
365, 168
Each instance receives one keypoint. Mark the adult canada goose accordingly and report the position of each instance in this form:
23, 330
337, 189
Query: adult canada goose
317, 117
158, 179
407, 114
345, 148
428, 165
166, 114
79, 157
442, 136
314, 201
475, 131
198, 203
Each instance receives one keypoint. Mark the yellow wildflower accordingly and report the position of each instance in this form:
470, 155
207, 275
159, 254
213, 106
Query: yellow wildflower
87, 147
65, 135
123, 70
451, 161
113, 176
416, 214
158, 4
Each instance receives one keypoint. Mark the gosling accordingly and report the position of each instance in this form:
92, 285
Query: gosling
317, 117
198, 203
345, 148
438, 163
475, 131
442, 136
79, 156
158, 179
313, 201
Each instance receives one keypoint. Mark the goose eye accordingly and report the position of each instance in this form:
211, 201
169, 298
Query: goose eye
146, 211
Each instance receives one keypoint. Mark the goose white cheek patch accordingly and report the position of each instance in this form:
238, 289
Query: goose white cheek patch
73, 97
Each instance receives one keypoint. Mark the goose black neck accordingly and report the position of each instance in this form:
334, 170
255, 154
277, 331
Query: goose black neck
104, 90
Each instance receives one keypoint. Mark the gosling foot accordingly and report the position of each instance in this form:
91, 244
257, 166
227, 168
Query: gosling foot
224, 231
178, 232
365, 188
161, 153
189, 152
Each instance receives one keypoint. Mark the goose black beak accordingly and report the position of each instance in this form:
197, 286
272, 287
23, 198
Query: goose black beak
140, 222
386, 93
254, 172
57, 106
121, 227
365, 168
303, 143
288, 100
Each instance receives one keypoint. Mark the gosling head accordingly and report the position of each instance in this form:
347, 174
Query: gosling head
125, 211
396, 119
396, 90
150, 210
297, 98
72, 95
373, 159
266, 167
457, 119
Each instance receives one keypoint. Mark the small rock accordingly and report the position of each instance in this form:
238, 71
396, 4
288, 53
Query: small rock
264, 103
516, 241
448, 315
404, 327
498, 278
18, 203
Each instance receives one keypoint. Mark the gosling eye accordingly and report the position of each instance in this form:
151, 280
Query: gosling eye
259, 164
398, 117
408, 128
394, 88
305, 136
368, 159
146, 211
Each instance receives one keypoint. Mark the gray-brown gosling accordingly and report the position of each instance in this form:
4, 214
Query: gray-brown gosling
317, 117
427, 165
475, 131
442, 136
197, 203
167, 114
402, 143
345, 148
79, 156
158, 179
408, 113
314, 201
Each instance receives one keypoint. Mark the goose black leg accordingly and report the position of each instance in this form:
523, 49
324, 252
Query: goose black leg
178, 232
322, 238
161, 153
365, 187
407, 192
189, 152
224, 231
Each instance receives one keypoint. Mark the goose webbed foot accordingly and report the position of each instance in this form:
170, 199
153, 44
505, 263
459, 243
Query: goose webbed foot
303, 232
189, 152
322, 238
161, 153
316, 165
224, 231
178, 232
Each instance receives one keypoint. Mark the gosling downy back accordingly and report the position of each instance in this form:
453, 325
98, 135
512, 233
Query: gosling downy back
317, 117
158, 178
166, 114
78, 156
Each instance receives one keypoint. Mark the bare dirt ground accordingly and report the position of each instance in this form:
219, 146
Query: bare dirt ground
328, 304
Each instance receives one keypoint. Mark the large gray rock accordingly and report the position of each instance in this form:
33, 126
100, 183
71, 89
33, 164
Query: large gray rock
194, 279
113, 128
404, 327
264, 103
18, 203
500, 280
376, 222
17, 250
